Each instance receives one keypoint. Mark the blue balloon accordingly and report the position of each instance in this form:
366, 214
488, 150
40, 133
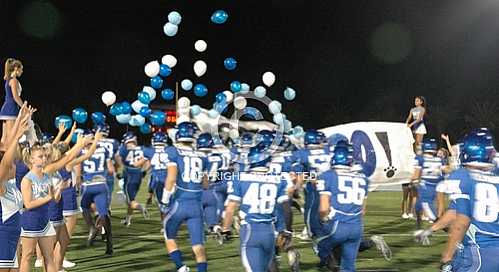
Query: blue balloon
145, 111
170, 29
174, 18
98, 118
167, 94
157, 118
195, 110
200, 90
230, 64
186, 85
68, 122
165, 70
219, 17
220, 97
115, 109
144, 97
123, 118
220, 107
126, 108
80, 115
156, 82
289, 94
145, 128
235, 86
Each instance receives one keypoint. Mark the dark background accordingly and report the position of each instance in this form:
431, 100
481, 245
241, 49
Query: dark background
347, 60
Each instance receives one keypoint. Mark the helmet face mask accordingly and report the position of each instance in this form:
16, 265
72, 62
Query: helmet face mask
314, 138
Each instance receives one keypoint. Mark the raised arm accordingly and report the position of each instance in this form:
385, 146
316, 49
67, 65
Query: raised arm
70, 135
449, 145
88, 154
71, 154
62, 129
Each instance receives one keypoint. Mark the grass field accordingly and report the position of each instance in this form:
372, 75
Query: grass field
140, 247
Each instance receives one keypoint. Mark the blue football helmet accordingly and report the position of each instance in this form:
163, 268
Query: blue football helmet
246, 139
205, 142
128, 137
477, 147
342, 154
314, 137
159, 138
257, 157
264, 138
103, 128
430, 146
185, 132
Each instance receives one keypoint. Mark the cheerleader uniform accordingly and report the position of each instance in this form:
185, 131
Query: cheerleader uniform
55, 208
11, 204
35, 222
68, 198
10, 109
419, 127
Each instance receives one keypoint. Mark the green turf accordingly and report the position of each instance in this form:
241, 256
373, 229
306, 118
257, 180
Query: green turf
140, 247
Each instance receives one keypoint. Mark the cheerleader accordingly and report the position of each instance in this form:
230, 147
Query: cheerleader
415, 121
10, 196
12, 103
37, 192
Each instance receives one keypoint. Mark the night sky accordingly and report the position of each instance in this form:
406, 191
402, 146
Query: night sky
347, 60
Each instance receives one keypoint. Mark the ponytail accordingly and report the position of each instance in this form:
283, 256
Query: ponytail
10, 65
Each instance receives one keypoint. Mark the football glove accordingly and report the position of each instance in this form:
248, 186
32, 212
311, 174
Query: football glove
422, 236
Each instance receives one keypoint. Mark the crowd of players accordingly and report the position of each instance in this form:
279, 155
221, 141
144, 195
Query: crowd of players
249, 186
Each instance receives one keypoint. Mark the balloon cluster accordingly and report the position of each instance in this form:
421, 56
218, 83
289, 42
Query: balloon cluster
171, 27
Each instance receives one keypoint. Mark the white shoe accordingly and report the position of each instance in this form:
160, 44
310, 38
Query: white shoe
411, 216
68, 264
184, 269
38, 263
405, 216
103, 231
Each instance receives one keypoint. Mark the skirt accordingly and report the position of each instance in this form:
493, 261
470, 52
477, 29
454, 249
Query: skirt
9, 111
9, 238
421, 129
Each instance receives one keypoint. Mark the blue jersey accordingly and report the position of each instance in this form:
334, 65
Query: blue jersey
215, 163
282, 162
132, 155
347, 190
312, 160
225, 168
111, 146
94, 169
431, 169
239, 156
159, 160
258, 194
191, 166
478, 199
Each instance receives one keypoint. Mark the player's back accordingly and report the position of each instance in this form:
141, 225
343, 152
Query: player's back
347, 190
431, 169
130, 155
94, 169
111, 145
215, 165
481, 187
191, 166
315, 160
159, 159
259, 193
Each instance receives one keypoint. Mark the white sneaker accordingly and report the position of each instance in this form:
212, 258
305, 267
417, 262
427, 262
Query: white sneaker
411, 216
184, 269
38, 263
405, 215
68, 264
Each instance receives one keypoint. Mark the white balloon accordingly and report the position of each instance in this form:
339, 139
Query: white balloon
240, 102
275, 107
245, 88
183, 118
108, 98
150, 91
200, 45
186, 84
183, 111
152, 68
229, 96
268, 78
184, 102
169, 60
288, 125
260, 92
200, 68
137, 105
